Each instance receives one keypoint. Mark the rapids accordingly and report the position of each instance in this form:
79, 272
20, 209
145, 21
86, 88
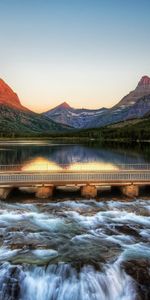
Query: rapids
74, 250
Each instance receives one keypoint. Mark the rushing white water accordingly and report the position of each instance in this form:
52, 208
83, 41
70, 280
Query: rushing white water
72, 250
64, 283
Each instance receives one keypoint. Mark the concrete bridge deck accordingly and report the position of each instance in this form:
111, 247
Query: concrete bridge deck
128, 179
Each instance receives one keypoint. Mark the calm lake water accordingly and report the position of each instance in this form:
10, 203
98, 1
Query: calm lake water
74, 250
43, 155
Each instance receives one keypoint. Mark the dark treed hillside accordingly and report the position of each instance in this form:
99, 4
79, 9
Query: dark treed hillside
130, 130
15, 123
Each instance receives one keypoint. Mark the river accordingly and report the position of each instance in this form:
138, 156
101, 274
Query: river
73, 249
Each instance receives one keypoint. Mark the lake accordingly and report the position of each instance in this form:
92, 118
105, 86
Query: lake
74, 249
46, 154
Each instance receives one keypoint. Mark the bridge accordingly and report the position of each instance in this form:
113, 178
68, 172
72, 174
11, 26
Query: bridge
128, 178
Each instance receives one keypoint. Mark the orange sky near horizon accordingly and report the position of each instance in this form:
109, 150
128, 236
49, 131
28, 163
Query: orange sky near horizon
40, 98
88, 53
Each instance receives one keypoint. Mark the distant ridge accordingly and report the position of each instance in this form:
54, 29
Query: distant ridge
14, 116
77, 118
134, 105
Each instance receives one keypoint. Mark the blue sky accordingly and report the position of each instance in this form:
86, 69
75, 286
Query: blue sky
89, 53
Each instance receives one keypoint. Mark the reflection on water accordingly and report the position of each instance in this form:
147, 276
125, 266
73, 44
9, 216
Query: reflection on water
46, 156
41, 163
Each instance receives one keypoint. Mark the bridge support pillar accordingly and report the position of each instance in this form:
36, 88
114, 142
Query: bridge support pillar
44, 192
88, 191
130, 191
4, 192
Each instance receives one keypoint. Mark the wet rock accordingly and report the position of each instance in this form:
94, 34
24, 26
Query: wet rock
79, 264
10, 289
35, 257
91, 252
139, 270
125, 229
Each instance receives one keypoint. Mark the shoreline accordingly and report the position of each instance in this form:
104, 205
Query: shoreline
77, 139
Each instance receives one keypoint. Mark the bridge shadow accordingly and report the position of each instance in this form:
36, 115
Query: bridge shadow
73, 194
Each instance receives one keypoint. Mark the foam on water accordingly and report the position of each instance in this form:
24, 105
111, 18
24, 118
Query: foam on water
62, 282
71, 250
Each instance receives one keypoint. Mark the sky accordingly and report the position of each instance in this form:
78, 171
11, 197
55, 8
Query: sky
89, 53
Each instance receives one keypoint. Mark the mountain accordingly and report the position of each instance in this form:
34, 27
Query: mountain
9, 98
140, 109
133, 105
142, 89
122, 113
77, 118
15, 119
14, 122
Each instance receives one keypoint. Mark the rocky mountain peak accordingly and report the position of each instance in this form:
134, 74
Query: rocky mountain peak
64, 105
145, 81
142, 89
7, 94
8, 97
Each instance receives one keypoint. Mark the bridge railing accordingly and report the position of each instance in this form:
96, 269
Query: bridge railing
80, 167
82, 177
